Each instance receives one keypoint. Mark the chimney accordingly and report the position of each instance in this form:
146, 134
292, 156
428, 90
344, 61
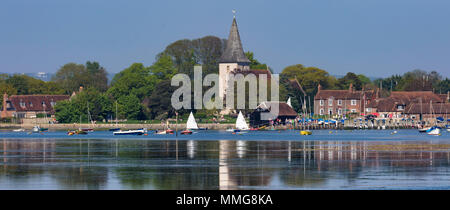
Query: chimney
319, 87
351, 87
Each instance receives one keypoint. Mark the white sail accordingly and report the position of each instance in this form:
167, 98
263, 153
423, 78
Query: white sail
240, 122
191, 124
289, 102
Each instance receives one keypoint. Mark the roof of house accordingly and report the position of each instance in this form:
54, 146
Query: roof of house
384, 104
424, 108
342, 94
283, 108
234, 53
38, 103
409, 96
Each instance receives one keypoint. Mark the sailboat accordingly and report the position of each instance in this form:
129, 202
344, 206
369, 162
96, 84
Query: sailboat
289, 102
192, 124
435, 130
241, 125
89, 119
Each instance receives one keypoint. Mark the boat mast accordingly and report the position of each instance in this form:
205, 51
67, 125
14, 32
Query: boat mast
116, 113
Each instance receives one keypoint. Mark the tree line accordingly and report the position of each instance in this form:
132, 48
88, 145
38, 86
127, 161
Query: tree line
144, 92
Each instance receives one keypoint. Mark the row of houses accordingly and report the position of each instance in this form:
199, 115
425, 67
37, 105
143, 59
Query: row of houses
418, 105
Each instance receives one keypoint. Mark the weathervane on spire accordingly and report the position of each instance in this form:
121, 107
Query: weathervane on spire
234, 13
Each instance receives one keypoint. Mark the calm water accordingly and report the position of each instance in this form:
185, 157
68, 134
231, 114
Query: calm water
221, 160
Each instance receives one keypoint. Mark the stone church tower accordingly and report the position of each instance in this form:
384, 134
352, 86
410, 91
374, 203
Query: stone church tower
233, 59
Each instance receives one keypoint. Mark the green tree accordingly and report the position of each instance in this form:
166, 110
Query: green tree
163, 68
350, 78
71, 76
309, 78
135, 80
130, 107
99, 105
159, 104
254, 63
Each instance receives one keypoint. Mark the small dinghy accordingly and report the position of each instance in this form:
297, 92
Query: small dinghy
305, 132
192, 124
19, 130
241, 125
186, 132
36, 129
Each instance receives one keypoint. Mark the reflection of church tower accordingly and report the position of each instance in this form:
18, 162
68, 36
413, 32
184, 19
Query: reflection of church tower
225, 181
233, 58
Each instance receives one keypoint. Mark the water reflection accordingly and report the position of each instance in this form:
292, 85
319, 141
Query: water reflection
224, 164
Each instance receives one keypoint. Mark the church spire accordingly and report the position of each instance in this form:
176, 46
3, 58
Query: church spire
234, 53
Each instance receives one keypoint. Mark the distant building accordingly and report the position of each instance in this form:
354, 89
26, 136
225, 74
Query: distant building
337, 103
409, 105
285, 112
28, 106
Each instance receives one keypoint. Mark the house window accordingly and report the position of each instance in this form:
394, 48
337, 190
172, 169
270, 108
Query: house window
330, 111
339, 111
368, 109
353, 102
330, 102
339, 102
31, 104
321, 111
52, 103
400, 107
353, 110
321, 102
22, 104
43, 103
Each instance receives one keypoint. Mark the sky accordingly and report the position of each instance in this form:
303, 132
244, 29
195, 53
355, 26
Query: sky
377, 38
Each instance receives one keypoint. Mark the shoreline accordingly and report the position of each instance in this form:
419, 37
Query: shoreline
209, 126
75, 126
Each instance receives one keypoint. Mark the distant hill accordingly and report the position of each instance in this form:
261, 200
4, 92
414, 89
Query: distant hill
48, 76
371, 78
40, 75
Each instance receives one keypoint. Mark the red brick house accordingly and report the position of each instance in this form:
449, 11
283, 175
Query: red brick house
408, 104
338, 103
28, 106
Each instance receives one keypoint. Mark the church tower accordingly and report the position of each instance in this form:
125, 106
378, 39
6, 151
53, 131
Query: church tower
233, 59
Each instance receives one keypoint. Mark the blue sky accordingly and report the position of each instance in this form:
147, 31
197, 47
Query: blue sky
377, 38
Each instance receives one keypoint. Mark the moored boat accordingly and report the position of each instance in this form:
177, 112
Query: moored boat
435, 130
241, 125
305, 132
36, 129
186, 132
130, 132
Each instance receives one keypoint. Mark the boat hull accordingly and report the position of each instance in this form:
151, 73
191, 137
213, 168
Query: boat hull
129, 132
305, 133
